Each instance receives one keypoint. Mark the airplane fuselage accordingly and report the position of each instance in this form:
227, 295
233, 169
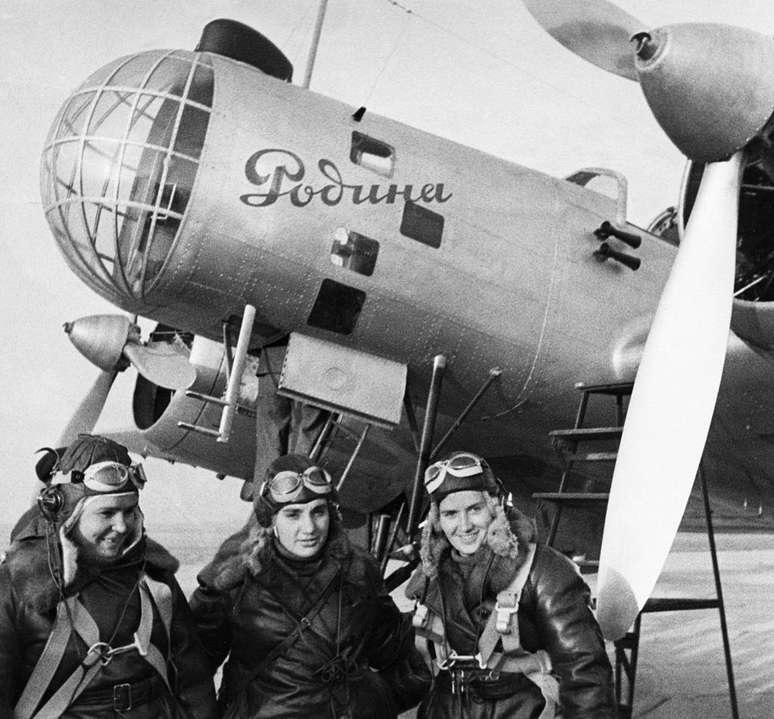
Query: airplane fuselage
359, 230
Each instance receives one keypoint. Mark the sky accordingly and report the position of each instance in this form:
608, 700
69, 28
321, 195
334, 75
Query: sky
483, 74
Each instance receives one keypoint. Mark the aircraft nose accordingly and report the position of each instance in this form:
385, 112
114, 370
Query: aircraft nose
118, 167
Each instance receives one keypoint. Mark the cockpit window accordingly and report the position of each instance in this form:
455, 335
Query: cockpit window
372, 154
119, 165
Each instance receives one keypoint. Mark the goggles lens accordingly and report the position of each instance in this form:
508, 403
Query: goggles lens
112, 476
286, 486
461, 465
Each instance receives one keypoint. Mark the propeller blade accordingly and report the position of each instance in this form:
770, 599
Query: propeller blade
163, 363
672, 403
595, 30
86, 415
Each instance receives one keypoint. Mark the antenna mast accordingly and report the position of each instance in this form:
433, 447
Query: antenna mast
315, 42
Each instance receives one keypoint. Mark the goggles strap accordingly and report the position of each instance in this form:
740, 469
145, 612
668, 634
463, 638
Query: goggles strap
302, 479
436, 473
133, 474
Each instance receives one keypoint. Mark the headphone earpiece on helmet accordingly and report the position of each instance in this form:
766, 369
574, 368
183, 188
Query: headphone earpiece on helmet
51, 502
48, 465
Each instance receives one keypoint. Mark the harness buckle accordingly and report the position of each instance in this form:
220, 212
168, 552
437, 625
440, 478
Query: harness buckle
452, 659
102, 652
335, 670
507, 605
122, 697
141, 650
420, 618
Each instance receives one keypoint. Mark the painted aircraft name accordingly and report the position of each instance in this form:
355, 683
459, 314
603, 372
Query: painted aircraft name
286, 180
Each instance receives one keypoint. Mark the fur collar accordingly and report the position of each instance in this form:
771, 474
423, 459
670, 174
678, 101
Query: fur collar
27, 560
508, 538
251, 552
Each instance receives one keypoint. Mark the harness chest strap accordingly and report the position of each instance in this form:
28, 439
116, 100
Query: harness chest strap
161, 595
503, 623
71, 617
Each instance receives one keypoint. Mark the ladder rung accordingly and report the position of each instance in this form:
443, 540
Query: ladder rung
590, 456
201, 430
573, 497
241, 409
677, 604
586, 434
587, 566
206, 398
614, 388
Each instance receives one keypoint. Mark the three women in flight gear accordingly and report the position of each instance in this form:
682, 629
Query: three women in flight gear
92, 620
301, 614
509, 621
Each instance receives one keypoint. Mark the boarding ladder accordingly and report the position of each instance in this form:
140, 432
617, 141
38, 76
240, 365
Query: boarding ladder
582, 444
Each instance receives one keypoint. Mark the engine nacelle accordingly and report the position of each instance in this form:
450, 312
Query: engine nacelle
157, 412
752, 317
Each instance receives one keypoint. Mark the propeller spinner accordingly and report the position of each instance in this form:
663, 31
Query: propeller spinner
112, 343
712, 91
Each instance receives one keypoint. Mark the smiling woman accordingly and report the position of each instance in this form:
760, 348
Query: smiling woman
510, 620
80, 564
106, 527
464, 519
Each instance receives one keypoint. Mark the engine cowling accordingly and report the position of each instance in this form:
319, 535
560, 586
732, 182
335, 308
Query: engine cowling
753, 311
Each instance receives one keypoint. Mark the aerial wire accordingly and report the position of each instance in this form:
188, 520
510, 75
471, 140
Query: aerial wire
289, 43
529, 73
388, 59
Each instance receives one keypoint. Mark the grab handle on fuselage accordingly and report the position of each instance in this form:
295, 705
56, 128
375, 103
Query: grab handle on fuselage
235, 378
229, 403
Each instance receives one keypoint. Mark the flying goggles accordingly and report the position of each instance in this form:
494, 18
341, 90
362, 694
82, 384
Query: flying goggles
461, 464
287, 486
113, 476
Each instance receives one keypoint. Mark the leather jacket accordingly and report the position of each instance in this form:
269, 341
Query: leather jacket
554, 615
28, 606
301, 638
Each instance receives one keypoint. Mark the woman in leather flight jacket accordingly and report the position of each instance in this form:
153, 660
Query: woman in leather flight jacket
92, 621
509, 620
301, 613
